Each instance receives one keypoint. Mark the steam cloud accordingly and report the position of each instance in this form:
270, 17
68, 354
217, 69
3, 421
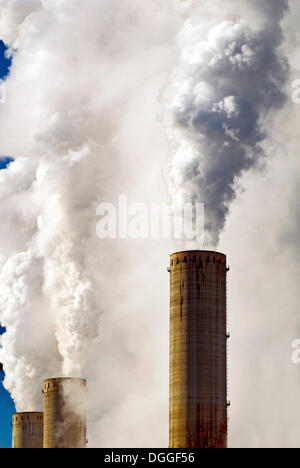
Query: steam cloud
50, 193
76, 69
228, 81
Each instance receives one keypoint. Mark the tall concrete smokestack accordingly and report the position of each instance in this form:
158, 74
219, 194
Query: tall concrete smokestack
198, 360
64, 413
27, 430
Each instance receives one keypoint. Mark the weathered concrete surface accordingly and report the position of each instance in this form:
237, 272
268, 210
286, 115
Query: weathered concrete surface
64, 413
27, 430
198, 368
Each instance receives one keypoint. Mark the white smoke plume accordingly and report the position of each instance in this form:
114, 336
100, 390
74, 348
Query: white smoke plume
230, 78
66, 95
76, 69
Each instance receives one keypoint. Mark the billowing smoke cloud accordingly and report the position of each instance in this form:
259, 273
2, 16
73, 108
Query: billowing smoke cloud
66, 96
230, 78
77, 68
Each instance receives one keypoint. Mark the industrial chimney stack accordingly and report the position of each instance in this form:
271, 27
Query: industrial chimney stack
64, 413
198, 355
27, 430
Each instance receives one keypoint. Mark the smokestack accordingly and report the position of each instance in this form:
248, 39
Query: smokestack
27, 430
64, 413
198, 360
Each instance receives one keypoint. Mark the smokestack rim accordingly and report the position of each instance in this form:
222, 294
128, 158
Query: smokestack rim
31, 417
57, 383
208, 252
65, 379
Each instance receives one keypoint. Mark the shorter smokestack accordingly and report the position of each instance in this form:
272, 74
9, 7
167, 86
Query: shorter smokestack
27, 430
64, 413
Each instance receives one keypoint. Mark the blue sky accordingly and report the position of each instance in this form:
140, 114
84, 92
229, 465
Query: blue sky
7, 408
4, 161
6, 404
4, 63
